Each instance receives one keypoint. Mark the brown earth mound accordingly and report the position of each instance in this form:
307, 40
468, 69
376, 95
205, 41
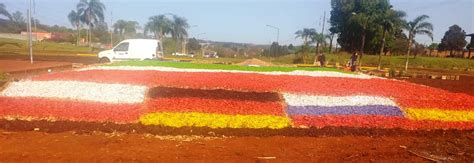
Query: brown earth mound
254, 62
28, 141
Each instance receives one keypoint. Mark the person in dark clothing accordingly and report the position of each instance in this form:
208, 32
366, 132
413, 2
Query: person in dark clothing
353, 62
322, 59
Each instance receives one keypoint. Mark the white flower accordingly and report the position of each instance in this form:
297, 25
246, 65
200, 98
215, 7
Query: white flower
295, 73
309, 100
73, 90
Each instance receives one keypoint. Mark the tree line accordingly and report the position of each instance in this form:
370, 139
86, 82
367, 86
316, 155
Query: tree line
373, 26
89, 16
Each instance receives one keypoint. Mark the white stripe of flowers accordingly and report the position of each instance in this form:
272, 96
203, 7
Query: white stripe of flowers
296, 73
73, 90
329, 101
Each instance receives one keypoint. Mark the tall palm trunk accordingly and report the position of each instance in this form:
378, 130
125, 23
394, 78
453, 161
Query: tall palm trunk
87, 35
183, 46
362, 48
159, 36
317, 48
330, 43
304, 49
78, 35
415, 52
381, 49
176, 45
90, 37
408, 52
90, 30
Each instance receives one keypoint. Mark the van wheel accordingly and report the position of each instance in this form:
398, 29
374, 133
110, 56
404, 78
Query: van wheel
104, 60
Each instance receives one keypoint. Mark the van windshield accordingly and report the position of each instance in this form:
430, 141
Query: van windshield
122, 47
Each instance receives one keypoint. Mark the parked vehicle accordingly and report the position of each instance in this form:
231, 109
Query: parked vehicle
133, 49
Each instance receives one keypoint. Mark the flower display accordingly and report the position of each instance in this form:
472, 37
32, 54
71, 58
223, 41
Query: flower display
73, 90
216, 108
234, 98
194, 119
345, 110
403, 93
34, 108
295, 72
308, 100
375, 121
439, 114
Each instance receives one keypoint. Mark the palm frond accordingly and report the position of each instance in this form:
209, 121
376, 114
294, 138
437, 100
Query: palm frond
424, 25
3, 11
425, 32
420, 18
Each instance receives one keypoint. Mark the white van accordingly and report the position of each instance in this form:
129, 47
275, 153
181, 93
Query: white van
133, 49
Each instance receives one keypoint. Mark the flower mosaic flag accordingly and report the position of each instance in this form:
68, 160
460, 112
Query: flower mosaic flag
178, 107
181, 97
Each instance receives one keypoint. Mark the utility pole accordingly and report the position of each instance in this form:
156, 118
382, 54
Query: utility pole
322, 31
29, 34
34, 21
202, 47
111, 29
278, 32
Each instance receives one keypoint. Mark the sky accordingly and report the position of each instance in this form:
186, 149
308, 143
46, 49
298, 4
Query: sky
245, 21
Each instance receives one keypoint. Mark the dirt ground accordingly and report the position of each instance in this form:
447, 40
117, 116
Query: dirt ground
19, 66
58, 141
11, 66
54, 58
465, 84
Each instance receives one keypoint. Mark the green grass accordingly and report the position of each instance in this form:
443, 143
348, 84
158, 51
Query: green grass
199, 59
390, 61
218, 66
9, 46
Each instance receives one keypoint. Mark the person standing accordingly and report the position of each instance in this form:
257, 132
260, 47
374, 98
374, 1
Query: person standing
353, 62
322, 59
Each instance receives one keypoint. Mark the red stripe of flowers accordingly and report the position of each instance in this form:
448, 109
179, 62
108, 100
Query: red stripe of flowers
376, 121
219, 106
399, 90
68, 110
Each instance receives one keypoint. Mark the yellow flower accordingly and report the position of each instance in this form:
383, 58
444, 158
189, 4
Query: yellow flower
438, 114
194, 119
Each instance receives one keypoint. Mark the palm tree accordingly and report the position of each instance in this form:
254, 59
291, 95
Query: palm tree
415, 27
119, 26
305, 34
319, 39
91, 11
389, 21
75, 20
4, 11
159, 25
179, 32
363, 20
17, 18
124, 27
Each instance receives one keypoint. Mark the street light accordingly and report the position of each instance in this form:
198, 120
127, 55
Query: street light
202, 49
278, 31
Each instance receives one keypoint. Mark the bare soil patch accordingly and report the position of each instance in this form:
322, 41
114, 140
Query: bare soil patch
15, 66
254, 62
465, 84
68, 141
55, 58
